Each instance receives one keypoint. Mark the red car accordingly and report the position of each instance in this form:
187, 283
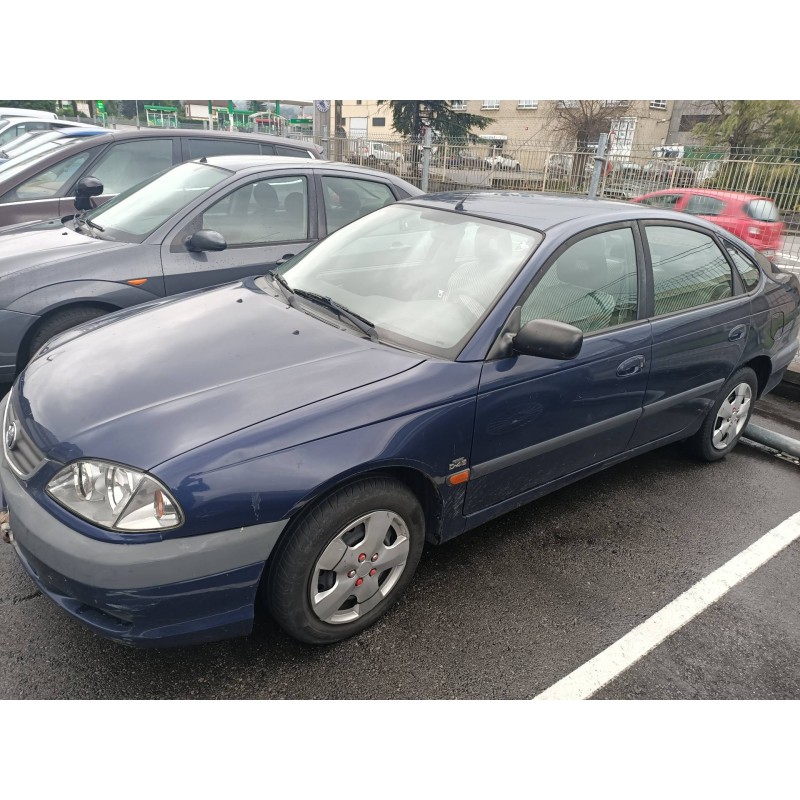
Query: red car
754, 219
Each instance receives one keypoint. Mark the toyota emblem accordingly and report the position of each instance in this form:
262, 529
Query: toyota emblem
11, 436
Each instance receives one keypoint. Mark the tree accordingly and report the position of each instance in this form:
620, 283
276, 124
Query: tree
410, 117
33, 105
581, 122
745, 125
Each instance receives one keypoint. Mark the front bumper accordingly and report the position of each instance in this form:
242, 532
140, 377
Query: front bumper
176, 591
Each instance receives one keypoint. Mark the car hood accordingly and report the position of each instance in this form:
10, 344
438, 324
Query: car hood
44, 242
144, 385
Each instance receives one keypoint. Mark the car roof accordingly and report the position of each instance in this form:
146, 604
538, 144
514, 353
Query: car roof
535, 209
247, 163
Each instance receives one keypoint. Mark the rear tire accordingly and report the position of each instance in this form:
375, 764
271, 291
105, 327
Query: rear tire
727, 420
346, 562
58, 323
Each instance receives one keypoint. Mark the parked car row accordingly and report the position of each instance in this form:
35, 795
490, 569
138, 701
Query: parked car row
313, 370
42, 185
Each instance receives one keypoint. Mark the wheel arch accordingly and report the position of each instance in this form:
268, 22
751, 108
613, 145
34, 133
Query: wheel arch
69, 305
762, 366
414, 479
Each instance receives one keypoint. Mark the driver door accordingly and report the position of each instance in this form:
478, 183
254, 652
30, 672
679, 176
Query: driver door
539, 420
262, 221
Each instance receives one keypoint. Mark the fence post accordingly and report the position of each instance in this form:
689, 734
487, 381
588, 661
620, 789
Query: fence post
426, 158
599, 163
325, 141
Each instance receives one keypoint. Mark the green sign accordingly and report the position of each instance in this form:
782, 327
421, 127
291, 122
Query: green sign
301, 121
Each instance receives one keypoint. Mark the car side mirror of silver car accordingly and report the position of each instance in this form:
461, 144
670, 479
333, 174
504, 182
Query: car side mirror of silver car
85, 190
548, 338
201, 241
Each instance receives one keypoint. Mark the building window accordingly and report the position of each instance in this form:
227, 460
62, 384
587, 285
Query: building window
458, 105
607, 103
688, 121
358, 102
659, 104
490, 104
527, 104
378, 122
567, 104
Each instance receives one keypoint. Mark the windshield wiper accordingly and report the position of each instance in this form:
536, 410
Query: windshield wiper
95, 225
287, 290
357, 320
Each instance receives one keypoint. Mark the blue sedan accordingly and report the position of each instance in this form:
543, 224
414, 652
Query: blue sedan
289, 442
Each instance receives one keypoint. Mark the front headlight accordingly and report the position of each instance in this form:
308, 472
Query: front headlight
114, 496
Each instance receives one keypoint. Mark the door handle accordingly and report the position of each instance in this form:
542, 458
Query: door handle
631, 366
283, 259
737, 333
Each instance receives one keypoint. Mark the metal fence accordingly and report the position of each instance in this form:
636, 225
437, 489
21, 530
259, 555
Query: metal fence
554, 168
551, 166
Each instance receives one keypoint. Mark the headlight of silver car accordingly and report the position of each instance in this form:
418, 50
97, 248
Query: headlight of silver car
115, 496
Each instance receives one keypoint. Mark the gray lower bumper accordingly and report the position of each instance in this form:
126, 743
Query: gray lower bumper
128, 566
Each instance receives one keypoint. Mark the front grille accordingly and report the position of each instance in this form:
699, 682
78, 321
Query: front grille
25, 458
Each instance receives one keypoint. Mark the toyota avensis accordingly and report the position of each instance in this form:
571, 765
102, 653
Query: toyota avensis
291, 441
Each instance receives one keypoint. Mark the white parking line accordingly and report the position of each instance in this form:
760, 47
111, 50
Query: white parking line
615, 659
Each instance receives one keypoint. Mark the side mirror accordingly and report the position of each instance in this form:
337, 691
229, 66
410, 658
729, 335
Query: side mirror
548, 338
202, 241
86, 189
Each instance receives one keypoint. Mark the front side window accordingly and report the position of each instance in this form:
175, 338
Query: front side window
425, 278
689, 270
133, 215
49, 182
591, 285
703, 205
662, 200
128, 163
348, 199
263, 212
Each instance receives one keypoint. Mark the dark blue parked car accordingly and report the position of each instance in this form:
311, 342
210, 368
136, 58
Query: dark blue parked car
292, 440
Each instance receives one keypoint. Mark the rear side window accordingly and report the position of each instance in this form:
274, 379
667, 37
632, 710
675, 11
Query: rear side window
199, 148
689, 269
703, 205
347, 199
762, 210
747, 269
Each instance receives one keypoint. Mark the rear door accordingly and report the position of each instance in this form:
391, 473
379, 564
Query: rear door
264, 219
700, 319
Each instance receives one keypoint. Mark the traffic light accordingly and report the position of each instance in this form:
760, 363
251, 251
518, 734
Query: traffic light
101, 107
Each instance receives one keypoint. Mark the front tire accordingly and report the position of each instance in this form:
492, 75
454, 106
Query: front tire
347, 561
60, 321
727, 419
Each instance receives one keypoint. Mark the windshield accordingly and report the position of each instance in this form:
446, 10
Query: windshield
19, 163
424, 278
134, 214
28, 141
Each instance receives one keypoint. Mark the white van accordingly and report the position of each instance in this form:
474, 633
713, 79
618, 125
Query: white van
5, 113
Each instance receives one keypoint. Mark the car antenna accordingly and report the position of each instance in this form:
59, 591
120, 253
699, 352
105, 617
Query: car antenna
459, 206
